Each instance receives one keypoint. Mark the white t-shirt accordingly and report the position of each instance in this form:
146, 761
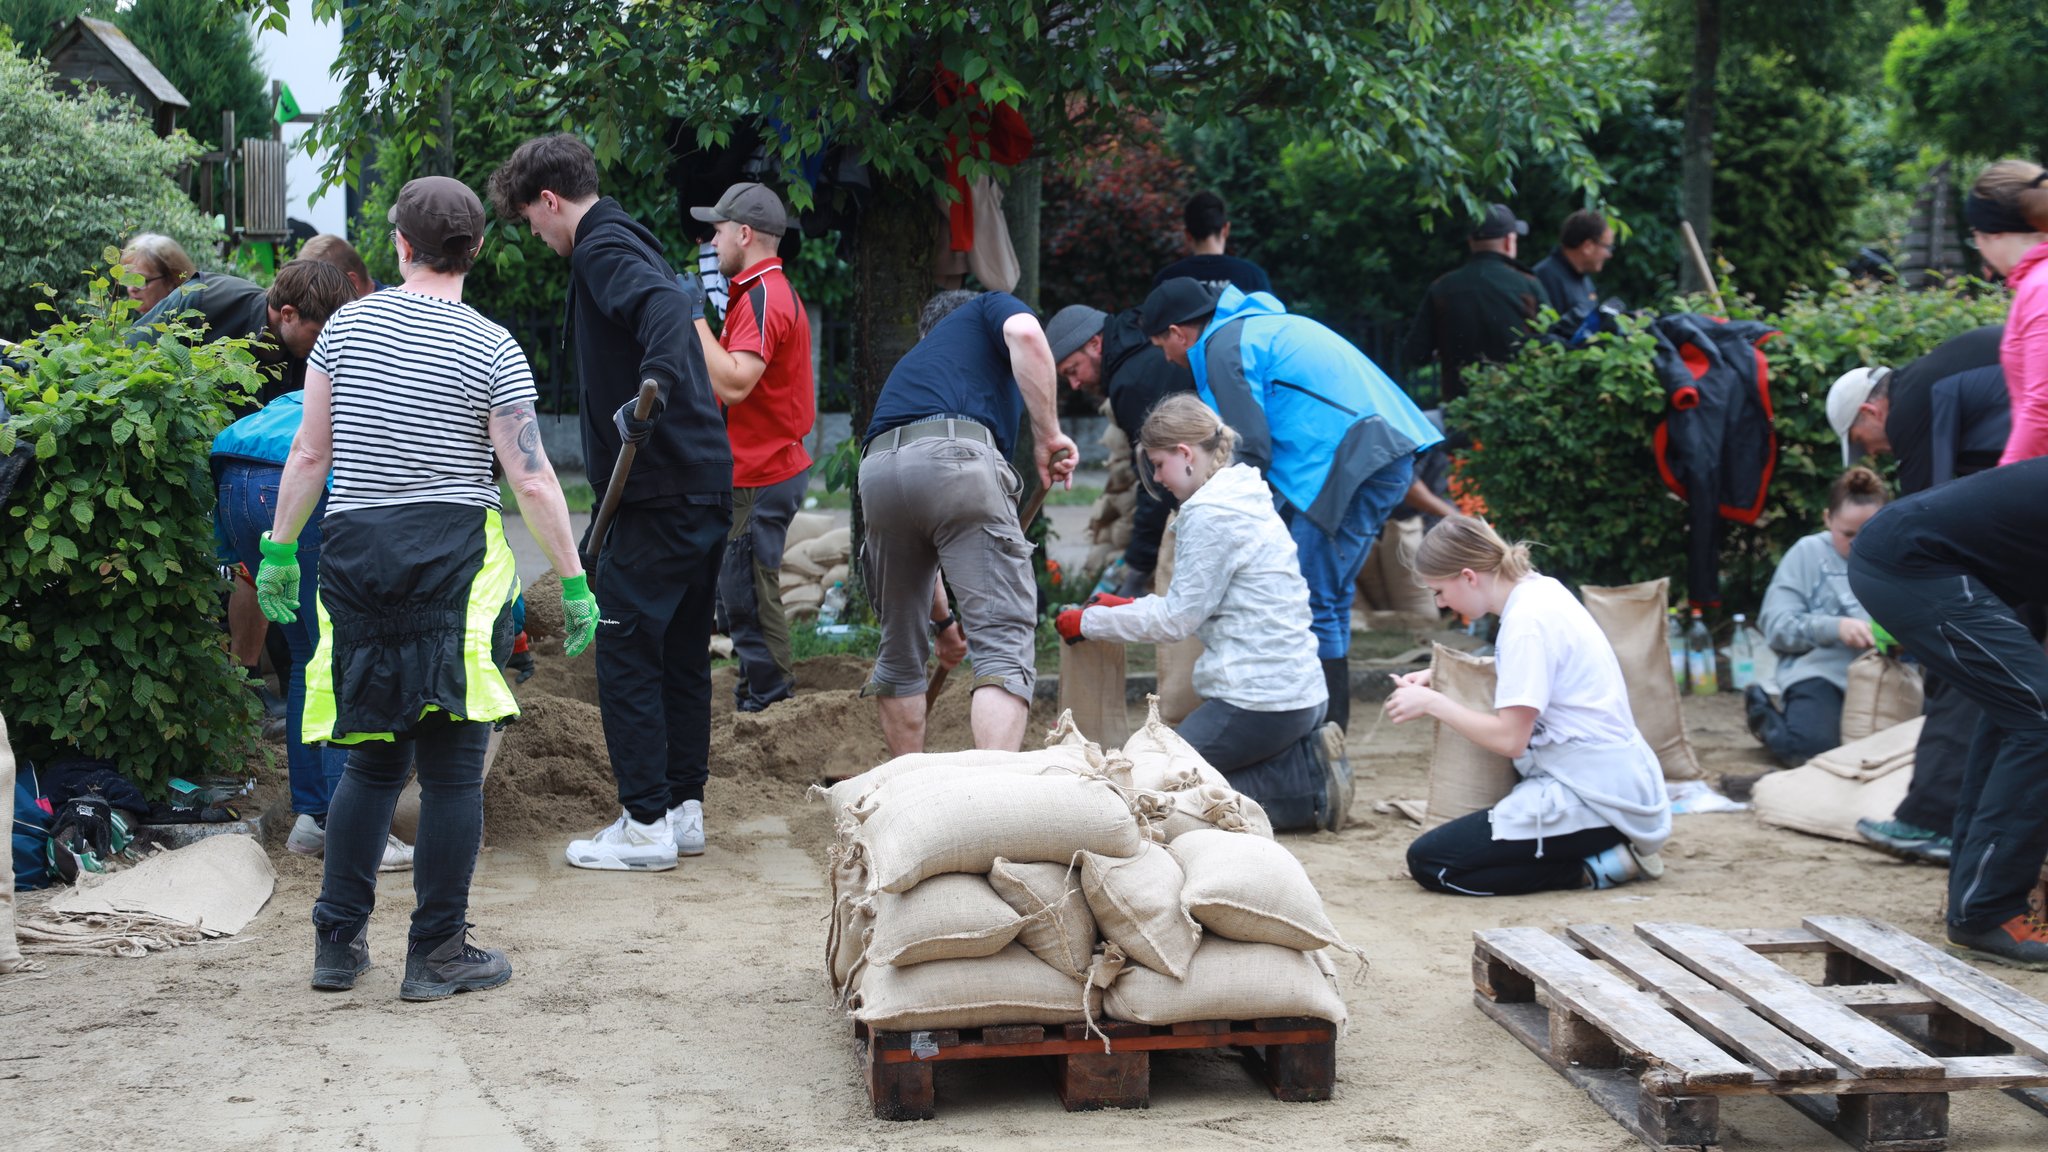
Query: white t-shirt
1552, 657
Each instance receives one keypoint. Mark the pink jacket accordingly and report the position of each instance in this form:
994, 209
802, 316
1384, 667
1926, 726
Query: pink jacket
2024, 355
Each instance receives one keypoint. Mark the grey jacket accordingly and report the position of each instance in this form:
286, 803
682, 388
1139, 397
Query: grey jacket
1237, 584
1803, 610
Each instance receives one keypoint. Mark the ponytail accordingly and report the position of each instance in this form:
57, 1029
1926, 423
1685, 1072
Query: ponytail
1183, 419
1461, 542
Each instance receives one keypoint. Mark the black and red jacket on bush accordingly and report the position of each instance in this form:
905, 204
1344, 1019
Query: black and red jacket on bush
1715, 448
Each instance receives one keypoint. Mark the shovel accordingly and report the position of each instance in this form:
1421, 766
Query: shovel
1031, 509
614, 492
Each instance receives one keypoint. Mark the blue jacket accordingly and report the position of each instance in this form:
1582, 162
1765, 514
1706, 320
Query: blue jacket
1311, 411
265, 435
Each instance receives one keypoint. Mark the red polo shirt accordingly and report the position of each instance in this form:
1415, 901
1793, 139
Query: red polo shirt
769, 426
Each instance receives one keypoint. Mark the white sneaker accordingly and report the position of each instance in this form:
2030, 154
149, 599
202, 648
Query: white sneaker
1621, 864
687, 820
308, 838
397, 856
627, 846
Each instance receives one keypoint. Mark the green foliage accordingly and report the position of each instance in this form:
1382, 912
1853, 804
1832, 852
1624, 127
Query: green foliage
35, 23
1970, 81
76, 175
109, 597
1565, 457
1111, 218
209, 52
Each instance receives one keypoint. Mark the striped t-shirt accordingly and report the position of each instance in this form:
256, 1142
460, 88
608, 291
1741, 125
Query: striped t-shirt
415, 379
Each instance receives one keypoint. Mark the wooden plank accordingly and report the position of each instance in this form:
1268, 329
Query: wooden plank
1161, 1041
1632, 1019
2004, 1011
1299, 1073
1880, 999
1093, 1080
898, 1091
1862, 1047
1769, 940
1706, 1007
1013, 1034
1620, 1092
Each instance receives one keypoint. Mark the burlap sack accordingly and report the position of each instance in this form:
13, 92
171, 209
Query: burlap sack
1072, 760
1632, 616
1175, 662
852, 917
804, 527
1813, 799
1388, 582
836, 574
1210, 806
1063, 933
1163, 762
405, 818
928, 824
1879, 754
1251, 889
1010, 987
797, 561
1136, 901
1092, 690
1463, 777
1882, 692
950, 917
10, 952
787, 578
803, 598
1229, 980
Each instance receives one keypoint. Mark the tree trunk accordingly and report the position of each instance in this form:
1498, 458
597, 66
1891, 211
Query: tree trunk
1022, 198
1697, 159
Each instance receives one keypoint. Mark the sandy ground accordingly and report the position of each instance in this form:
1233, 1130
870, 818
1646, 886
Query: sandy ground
688, 1010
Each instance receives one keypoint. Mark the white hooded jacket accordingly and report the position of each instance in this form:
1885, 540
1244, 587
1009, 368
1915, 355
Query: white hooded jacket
1237, 584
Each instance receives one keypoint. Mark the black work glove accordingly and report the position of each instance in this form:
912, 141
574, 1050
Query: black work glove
633, 431
693, 293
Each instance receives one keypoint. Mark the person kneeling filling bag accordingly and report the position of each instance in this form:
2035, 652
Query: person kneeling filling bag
1590, 810
1236, 582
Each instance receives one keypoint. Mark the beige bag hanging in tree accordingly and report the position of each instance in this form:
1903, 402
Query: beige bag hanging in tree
1632, 616
1882, 693
1175, 661
1463, 777
1092, 688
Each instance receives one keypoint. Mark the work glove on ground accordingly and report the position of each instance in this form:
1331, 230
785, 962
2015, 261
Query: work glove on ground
633, 431
277, 580
579, 615
693, 292
1068, 624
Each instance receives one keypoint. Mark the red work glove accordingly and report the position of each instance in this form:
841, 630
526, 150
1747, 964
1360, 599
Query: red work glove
1105, 600
1068, 623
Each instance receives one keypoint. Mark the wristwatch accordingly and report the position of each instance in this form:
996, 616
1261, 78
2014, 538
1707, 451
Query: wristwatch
939, 626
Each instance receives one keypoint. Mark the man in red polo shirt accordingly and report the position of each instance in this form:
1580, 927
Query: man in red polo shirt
761, 369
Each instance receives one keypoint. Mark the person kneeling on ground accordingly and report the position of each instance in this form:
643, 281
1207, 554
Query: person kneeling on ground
1236, 583
1590, 810
1814, 624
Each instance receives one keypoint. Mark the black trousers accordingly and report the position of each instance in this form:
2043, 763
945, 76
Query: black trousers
1971, 638
1463, 858
1809, 724
1268, 756
656, 586
1938, 759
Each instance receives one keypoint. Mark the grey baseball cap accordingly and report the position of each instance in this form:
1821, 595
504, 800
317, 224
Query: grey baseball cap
751, 204
1071, 327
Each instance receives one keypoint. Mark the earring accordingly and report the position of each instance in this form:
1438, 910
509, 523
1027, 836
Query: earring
1188, 470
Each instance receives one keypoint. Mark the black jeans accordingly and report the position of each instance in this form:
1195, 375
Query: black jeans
656, 586
1939, 757
1266, 755
1810, 724
450, 757
1463, 858
1970, 637
749, 583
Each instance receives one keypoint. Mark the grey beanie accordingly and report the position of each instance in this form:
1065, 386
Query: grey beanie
1072, 327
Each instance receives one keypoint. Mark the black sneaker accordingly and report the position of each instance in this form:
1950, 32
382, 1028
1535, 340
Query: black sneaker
339, 958
1909, 841
2021, 942
1756, 705
455, 966
1338, 785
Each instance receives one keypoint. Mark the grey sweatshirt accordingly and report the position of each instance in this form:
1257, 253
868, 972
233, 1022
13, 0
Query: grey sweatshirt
1803, 610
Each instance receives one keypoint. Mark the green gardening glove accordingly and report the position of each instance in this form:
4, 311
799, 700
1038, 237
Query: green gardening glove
579, 615
277, 580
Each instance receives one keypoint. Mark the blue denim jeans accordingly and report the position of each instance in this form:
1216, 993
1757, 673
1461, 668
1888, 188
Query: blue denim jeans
247, 505
1330, 564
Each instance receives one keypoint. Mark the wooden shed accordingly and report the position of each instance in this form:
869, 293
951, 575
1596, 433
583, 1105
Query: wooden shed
101, 55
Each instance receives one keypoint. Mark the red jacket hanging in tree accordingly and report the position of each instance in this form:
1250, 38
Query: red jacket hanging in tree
996, 132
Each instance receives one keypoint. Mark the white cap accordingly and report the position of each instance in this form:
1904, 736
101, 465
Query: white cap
1846, 397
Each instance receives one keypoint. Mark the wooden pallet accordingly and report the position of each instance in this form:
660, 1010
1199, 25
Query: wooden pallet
1672, 1017
1296, 1057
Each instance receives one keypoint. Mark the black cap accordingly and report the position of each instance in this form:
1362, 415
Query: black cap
1178, 301
1499, 221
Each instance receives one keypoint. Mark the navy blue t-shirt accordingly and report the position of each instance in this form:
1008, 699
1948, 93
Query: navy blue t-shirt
1248, 277
962, 368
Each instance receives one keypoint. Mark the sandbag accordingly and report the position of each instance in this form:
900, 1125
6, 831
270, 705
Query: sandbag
853, 916
10, 952
1209, 806
928, 824
1063, 931
787, 578
836, 574
1883, 692
1878, 754
1463, 777
1388, 582
1229, 980
405, 816
1632, 617
1010, 987
1136, 901
1175, 663
1251, 889
805, 527
1813, 799
1163, 762
1092, 689
949, 917
1070, 759
803, 597
798, 562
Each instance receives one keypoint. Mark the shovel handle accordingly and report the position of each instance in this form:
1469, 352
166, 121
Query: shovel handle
615, 491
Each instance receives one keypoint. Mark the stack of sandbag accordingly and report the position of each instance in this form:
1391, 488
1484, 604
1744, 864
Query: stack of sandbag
1052, 887
1109, 526
1864, 778
1882, 692
814, 558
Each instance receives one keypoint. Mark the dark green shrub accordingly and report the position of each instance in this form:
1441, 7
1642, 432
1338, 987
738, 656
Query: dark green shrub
109, 590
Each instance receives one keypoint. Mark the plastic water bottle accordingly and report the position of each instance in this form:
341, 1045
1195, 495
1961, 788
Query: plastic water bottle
1699, 652
1742, 654
1674, 639
831, 606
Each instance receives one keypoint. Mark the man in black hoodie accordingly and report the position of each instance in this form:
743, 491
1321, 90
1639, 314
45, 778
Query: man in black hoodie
1109, 355
630, 320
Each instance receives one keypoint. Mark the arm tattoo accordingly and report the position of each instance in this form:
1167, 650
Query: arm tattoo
526, 434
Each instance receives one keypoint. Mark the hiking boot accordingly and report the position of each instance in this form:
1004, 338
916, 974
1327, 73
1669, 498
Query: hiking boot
2021, 942
308, 838
397, 856
455, 966
686, 820
339, 957
1621, 864
627, 846
1338, 785
1907, 841
745, 701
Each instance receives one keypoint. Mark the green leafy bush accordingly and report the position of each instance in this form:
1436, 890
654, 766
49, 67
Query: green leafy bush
1565, 457
109, 593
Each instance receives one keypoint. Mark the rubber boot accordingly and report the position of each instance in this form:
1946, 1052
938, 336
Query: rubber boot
1337, 678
